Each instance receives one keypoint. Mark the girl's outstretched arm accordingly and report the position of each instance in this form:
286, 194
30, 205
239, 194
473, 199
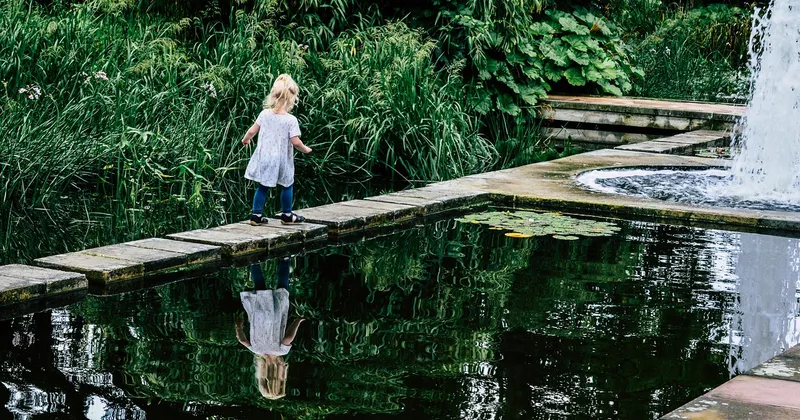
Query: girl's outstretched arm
250, 134
298, 144
240, 333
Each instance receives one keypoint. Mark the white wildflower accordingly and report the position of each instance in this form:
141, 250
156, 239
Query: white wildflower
100, 75
32, 92
209, 87
667, 51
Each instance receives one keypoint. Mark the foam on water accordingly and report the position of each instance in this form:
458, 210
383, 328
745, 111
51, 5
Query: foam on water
709, 187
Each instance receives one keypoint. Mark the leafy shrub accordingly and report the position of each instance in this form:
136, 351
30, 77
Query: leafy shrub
516, 58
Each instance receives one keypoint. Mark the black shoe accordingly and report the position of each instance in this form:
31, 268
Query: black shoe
292, 219
258, 220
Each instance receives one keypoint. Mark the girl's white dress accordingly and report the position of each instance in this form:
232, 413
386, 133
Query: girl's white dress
268, 311
273, 161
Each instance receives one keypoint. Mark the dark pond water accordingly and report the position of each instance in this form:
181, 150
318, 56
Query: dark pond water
446, 321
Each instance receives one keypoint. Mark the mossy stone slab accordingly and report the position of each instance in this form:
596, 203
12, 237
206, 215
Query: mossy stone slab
22, 282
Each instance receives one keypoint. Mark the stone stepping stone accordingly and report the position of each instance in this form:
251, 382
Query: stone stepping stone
19, 283
133, 259
240, 238
435, 198
356, 215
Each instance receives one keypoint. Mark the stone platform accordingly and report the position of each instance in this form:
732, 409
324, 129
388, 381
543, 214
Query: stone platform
769, 391
132, 259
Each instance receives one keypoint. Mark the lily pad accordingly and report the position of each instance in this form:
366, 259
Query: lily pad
525, 224
518, 235
566, 237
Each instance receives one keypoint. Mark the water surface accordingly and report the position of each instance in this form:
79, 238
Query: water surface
446, 321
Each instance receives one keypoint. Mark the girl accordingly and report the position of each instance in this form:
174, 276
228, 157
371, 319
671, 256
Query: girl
270, 336
273, 161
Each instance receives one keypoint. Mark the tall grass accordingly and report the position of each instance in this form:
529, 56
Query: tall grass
687, 51
134, 119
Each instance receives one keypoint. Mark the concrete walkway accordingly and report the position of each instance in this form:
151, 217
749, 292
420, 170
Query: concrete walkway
771, 391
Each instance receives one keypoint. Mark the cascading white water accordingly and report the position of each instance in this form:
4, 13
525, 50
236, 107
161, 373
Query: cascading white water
768, 164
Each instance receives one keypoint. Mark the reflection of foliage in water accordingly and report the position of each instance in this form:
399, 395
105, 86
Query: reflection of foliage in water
525, 224
440, 310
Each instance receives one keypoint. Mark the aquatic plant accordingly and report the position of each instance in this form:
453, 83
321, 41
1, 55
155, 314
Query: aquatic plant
526, 224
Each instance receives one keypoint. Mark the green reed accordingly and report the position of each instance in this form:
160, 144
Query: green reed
133, 116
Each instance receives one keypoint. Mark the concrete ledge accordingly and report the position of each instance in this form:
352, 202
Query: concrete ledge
768, 391
22, 283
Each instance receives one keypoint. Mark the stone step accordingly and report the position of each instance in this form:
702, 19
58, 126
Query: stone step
239, 239
435, 198
20, 283
679, 144
133, 259
356, 215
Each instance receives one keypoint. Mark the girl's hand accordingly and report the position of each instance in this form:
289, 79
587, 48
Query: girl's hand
245, 141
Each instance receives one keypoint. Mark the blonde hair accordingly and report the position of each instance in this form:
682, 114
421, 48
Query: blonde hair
283, 94
271, 376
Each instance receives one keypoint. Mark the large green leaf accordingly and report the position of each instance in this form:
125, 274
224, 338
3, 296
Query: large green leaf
568, 23
553, 72
505, 103
532, 93
575, 76
579, 57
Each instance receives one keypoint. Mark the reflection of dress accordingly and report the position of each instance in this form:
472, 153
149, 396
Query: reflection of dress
268, 311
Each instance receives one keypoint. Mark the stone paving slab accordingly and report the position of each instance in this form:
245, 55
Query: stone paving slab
133, 259
551, 185
240, 238
97, 269
768, 391
355, 215
716, 408
23, 282
678, 144
648, 106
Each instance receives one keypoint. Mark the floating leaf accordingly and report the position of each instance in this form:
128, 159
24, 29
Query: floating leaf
525, 224
518, 235
566, 238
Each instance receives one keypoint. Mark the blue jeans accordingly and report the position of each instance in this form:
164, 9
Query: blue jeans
257, 275
262, 193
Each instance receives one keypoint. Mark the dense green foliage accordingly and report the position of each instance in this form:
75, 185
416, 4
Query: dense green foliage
688, 51
125, 116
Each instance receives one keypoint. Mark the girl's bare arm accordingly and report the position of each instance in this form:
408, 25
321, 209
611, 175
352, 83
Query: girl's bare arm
250, 134
298, 144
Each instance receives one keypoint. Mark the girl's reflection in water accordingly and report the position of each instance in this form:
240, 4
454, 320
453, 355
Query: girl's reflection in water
270, 338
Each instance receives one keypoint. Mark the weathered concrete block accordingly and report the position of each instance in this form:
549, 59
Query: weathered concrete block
355, 215
784, 366
22, 282
133, 259
240, 238
98, 269
195, 253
